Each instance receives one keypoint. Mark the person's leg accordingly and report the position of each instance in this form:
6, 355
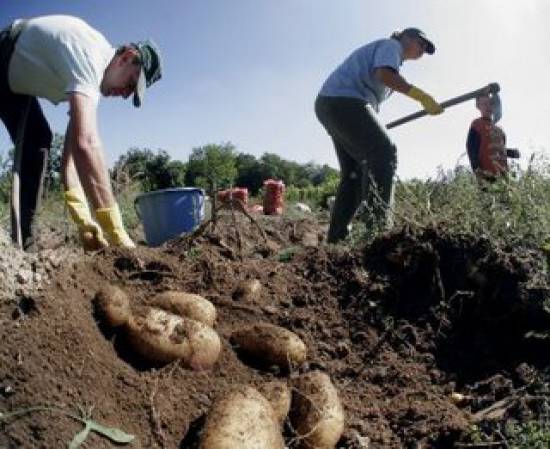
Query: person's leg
365, 140
377, 189
348, 195
31, 134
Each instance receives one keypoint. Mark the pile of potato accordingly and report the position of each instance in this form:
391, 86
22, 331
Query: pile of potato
248, 418
177, 325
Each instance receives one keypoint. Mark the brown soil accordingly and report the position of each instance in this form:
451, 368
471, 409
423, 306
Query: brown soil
398, 326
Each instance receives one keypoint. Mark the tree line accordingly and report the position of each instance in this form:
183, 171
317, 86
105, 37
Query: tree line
217, 166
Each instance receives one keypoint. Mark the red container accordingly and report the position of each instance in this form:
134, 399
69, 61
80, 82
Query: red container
238, 194
274, 197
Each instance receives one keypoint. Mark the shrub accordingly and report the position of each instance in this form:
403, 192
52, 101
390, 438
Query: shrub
513, 210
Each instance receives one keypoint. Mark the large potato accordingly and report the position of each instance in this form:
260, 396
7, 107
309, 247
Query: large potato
278, 395
113, 305
242, 419
316, 412
161, 337
187, 305
271, 344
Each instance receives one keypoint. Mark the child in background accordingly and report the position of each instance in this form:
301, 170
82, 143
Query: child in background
486, 143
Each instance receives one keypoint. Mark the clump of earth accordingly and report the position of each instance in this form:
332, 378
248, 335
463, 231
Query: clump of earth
26, 273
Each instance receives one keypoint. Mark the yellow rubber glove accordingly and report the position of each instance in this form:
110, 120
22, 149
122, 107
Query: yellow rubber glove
110, 220
431, 106
91, 235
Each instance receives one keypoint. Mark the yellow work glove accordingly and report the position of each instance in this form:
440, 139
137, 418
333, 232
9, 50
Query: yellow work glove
91, 235
430, 105
110, 221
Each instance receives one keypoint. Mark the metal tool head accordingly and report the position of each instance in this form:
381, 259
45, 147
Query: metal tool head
496, 107
493, 88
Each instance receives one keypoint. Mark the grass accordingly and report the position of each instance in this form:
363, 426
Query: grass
53, 214
513, 211
529, 435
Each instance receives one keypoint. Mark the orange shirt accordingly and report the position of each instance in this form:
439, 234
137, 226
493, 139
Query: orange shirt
491, 146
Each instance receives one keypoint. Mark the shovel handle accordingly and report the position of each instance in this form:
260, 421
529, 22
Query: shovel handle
492, 88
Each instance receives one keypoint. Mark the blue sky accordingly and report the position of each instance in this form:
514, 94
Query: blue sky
248, 71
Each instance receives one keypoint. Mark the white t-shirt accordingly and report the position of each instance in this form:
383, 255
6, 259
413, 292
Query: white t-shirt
57, 55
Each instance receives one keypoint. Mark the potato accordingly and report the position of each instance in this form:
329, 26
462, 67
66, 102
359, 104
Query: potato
242, 419
316, 412
113, 305
271, 344
278, 395
162, 337
187, 305
248, 290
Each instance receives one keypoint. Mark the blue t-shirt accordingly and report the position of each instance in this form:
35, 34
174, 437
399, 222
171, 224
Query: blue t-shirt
355, 76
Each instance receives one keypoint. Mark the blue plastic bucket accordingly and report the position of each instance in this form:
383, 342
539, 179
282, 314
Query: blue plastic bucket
168, 213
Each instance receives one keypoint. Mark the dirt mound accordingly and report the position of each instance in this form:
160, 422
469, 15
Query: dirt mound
480, 304
383, 322
23, 274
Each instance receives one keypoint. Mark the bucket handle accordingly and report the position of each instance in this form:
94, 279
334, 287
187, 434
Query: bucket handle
136, 207
196, 209
198, 205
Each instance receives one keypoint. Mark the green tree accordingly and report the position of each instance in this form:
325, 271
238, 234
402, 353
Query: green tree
249, 173
152, 170
272, 166
5, 175
52, 178
211, 166
319, 175
163, 173
53, 167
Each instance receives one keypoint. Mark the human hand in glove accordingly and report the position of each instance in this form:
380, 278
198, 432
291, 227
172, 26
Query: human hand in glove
91, 235
111, 222
431, 106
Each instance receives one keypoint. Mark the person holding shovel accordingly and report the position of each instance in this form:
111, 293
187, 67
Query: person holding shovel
346, 106
62, 58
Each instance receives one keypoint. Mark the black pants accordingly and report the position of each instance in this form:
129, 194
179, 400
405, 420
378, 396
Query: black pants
367, 160
31, 134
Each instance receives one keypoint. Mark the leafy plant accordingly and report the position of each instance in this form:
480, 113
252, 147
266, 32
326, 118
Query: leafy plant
287, 254
529, 435
112, 433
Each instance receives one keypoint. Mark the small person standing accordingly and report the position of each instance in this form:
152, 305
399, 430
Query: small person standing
486, 142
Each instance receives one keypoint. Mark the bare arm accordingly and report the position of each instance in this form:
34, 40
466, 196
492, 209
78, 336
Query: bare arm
392, 79
83, 151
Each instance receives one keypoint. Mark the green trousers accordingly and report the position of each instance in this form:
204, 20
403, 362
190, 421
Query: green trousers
367, 160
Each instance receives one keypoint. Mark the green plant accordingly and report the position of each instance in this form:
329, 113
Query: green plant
112, 433
193, 253
287, 254
126, 199
512, 211
528, 435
